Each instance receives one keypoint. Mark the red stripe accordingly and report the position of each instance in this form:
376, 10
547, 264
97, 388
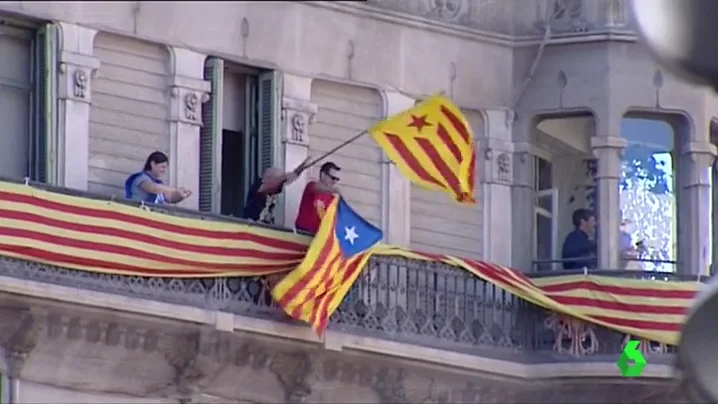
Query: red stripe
350, 269
639, 324
398, 144
91, 246
498, 272
472, 171
492, 274
619, 290
146, 238
317, 265
111, 267
440, 164
618, 306
457, 124
324, 277
446, 138
153, 224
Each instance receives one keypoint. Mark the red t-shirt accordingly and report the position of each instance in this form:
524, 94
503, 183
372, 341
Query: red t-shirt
311, 208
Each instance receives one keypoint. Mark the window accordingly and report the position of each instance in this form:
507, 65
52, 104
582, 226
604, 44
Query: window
545, 215
27, 101
238, 139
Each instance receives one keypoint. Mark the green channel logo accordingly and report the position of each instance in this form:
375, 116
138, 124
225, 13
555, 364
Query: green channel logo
631, 353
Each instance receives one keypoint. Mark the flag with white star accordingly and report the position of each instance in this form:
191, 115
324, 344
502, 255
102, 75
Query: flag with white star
336, 257
432, 144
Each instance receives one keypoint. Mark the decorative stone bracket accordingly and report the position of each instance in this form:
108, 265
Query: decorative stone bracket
297, 115
76, 74
701, 156
187, 97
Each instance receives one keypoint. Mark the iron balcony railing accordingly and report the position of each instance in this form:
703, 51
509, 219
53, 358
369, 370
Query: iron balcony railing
418, 302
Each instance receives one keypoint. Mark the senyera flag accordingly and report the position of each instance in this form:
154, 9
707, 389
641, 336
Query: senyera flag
432, 144
336, 257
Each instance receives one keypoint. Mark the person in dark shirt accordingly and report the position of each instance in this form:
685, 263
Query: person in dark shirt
262, 195
578, 248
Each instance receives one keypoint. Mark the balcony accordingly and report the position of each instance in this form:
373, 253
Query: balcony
427, 304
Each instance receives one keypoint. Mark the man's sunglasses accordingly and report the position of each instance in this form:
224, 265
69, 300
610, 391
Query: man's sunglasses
335, 178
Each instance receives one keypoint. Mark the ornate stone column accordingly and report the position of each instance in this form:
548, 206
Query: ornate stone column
694, 237
495, 193
396, 188
77, 68
298, 112
609, 151
189, 91
522, 196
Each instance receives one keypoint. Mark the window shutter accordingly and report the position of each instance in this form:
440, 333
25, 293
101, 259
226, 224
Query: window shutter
43, 141
210, 139
270, 97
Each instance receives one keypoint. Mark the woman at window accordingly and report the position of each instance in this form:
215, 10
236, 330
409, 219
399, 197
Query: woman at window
147, 186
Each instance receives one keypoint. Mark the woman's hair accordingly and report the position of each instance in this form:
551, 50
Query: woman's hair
156, 157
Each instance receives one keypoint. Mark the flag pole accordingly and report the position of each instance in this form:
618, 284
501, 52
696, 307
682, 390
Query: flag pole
334, 150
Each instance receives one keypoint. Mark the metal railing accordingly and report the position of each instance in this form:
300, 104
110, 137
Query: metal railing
419, 302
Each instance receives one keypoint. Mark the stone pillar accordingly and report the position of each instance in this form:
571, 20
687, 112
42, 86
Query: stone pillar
188, 91
495, 193
77, 68
298, 112
694, 242
608, 150
522, 196
396, 188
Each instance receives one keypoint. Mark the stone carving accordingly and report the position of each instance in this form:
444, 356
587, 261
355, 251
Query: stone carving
566, 16
573, 337
615, 13
647, 346
182, 353
80, 83
389, 385
293, 371
19, 336
503, 167
449, 10
299, 127
191, 106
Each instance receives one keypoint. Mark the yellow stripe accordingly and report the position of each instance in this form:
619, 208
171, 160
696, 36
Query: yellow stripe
620, 282
169, 253
308, 265
658, 318
216, 226
96, 255
625, 299
141, 229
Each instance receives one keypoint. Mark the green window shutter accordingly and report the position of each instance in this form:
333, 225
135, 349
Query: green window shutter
210, 146
270, 98
44, 141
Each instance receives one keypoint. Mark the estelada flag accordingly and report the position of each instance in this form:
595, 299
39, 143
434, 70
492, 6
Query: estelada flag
336, 257
432, 144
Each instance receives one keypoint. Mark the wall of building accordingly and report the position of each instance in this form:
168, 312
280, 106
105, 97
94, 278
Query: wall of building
29, 393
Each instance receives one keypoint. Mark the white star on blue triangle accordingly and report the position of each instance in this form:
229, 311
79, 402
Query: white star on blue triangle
354, 234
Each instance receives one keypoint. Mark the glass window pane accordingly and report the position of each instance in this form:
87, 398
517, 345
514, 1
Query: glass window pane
647, 197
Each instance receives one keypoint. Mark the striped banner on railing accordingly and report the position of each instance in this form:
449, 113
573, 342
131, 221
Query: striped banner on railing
110, 237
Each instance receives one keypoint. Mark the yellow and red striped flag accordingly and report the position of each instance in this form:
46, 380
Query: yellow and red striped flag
432, 144
336, 257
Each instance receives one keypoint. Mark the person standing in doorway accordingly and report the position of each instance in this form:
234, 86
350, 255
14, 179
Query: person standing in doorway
316, 197
263, 194
579, 250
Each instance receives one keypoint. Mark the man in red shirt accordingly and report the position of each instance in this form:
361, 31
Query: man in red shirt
316, 197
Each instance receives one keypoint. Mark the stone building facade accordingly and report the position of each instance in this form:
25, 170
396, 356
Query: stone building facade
227, 89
